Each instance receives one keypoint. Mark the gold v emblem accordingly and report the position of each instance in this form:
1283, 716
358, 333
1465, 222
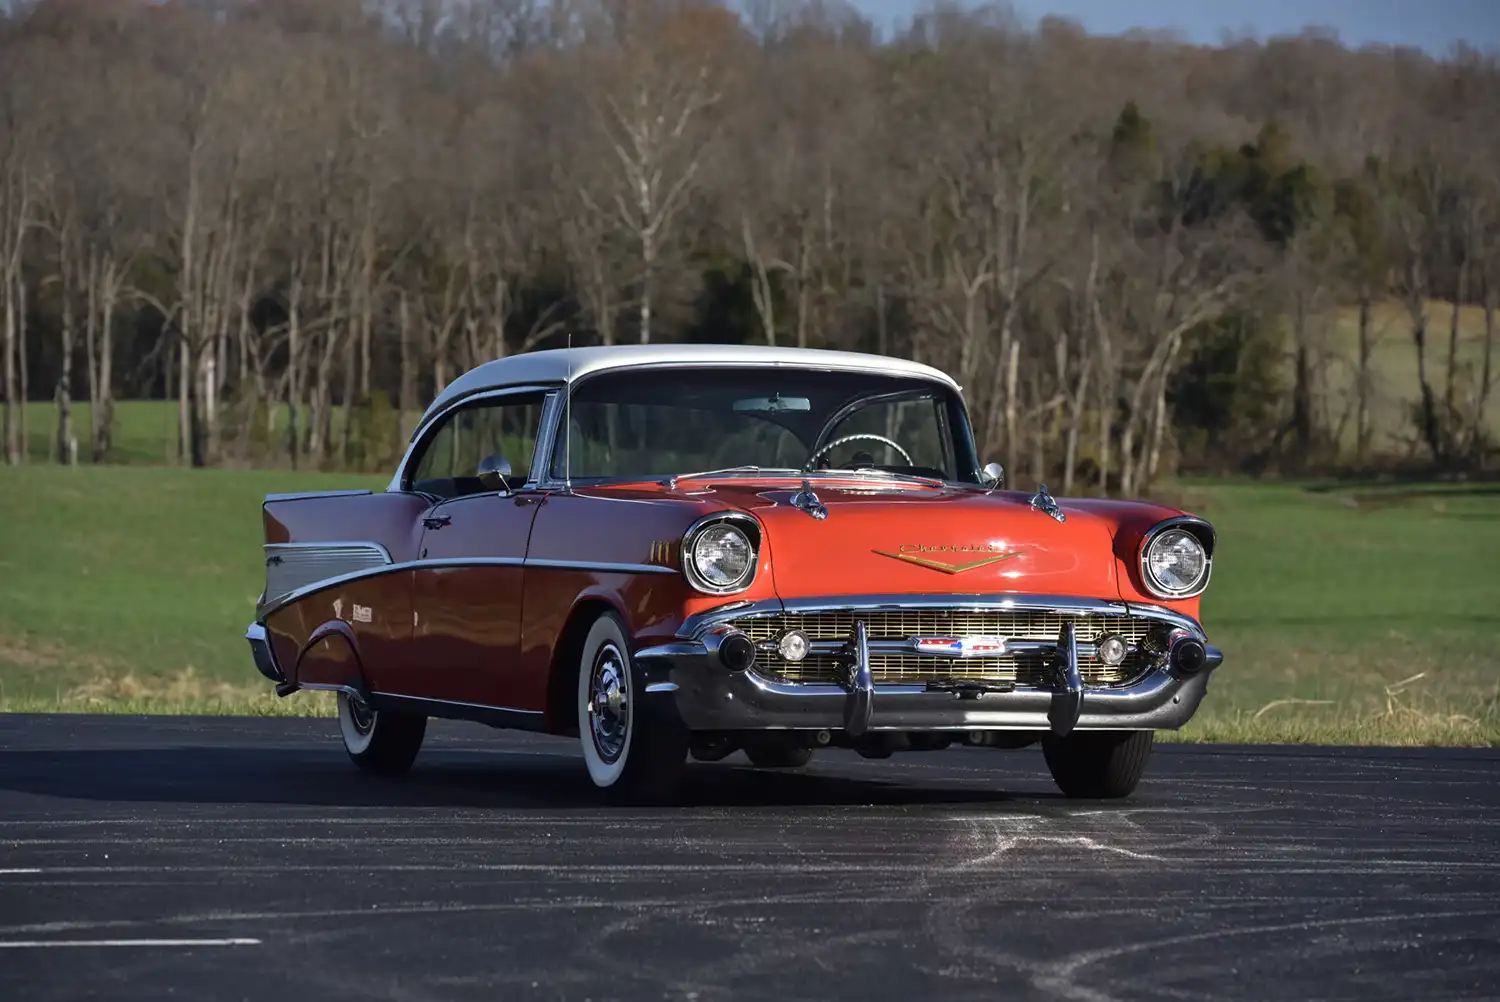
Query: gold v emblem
937, 565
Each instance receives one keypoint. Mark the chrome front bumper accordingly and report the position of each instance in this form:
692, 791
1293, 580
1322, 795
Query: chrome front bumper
709, 697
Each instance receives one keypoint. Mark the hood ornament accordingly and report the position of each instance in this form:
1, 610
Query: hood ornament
1047, 504
806, 500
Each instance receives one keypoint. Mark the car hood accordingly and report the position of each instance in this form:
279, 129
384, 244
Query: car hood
882, 539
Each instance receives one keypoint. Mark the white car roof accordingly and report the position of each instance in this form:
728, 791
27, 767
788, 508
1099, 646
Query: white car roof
563, 365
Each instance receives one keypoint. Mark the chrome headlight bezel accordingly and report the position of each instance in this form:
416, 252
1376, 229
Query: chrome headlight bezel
1194, 528
746, 526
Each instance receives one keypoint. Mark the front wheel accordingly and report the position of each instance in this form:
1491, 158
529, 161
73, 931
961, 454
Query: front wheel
379, 741
628, 752
1098, 765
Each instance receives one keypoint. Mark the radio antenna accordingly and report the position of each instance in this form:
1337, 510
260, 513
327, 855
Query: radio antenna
568, 420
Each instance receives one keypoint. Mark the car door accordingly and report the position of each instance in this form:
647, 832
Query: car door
469, 578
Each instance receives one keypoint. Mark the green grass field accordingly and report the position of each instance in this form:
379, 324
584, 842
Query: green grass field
1364, 614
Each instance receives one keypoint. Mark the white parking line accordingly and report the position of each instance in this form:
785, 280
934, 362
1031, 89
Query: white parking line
29, 870
44, 944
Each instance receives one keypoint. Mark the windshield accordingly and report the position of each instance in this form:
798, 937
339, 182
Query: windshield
656, 423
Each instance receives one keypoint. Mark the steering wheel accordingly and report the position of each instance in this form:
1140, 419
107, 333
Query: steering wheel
854, 438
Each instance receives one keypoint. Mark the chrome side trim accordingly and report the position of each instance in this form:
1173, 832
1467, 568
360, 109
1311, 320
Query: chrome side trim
314, 587
696, 625
662, 687
290, 566
302, 495
484, 713
1206, 536
348, 690
601, 566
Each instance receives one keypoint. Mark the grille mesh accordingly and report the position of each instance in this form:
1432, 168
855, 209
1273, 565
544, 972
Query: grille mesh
1024, 668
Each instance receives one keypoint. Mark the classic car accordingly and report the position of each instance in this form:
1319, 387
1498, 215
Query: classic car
675, 552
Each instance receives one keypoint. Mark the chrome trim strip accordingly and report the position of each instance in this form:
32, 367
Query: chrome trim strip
348, 690
348, 544
700, 623
301, 495
908, 646
1178, 521
438, 563
495, 716
601, 566
662, 687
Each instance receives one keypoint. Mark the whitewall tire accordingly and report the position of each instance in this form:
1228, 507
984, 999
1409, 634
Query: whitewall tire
629, 751
379, 741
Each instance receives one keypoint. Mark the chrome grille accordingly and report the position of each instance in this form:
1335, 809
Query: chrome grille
1022, 668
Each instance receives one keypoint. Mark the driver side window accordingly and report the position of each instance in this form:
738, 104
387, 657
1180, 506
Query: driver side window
450, 459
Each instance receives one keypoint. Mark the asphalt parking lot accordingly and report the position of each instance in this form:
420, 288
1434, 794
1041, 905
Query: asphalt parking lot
142, 858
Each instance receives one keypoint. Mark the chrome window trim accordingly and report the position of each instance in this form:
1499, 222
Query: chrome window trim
602, 567
545, 427
695, 626
1178, 522
756, 535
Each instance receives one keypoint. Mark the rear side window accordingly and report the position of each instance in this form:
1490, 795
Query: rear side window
449, 457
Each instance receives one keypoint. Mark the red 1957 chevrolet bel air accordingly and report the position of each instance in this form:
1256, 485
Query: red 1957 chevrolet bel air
674, 551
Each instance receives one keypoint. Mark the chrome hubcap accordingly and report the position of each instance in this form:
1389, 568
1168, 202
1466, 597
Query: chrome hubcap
609, 703
362, 716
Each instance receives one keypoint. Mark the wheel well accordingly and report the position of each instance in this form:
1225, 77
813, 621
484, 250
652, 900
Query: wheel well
562, 678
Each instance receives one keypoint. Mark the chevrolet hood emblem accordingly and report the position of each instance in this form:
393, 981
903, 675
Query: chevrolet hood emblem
915, 554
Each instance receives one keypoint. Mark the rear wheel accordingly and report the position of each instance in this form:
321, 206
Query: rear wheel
379, 741
631, 753
776, 753
1098, 764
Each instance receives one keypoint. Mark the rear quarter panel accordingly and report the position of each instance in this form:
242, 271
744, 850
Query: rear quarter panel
357, 629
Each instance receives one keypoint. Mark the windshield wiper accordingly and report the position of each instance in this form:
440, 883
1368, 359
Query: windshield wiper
673, 480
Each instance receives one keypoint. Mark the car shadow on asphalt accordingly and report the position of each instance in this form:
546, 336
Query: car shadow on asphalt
498, 780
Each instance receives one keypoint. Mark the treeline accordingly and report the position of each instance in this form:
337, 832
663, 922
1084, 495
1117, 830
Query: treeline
300, 218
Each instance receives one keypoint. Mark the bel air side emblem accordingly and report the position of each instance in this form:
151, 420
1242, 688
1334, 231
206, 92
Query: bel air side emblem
960, 647
914, 553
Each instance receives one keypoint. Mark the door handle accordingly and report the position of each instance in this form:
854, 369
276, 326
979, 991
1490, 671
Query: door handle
436, 521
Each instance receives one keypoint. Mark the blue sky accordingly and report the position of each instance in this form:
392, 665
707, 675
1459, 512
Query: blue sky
1431, 24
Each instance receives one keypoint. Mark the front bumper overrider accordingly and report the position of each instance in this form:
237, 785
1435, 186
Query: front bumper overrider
710, 697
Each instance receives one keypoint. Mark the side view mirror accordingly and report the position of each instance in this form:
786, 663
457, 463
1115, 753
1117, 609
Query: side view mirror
994, 475
494, 473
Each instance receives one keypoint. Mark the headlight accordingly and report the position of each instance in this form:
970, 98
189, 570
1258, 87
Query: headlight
719, 557
1175, 564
